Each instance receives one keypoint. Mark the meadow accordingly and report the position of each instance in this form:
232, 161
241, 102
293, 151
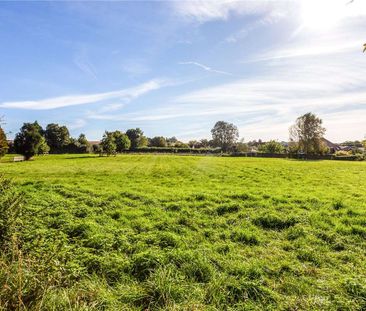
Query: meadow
164, 232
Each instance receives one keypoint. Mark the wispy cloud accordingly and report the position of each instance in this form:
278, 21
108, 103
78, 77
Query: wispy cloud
82, 61
269, 19
77, 124
206, 10
73, 100
206, 68
135, 67
264, 106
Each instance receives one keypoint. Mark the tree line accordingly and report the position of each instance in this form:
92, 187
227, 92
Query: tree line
306, 136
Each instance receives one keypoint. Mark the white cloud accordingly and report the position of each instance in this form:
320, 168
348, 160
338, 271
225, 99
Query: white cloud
269, 19
206, 10
73, 100
206, 68
265, 106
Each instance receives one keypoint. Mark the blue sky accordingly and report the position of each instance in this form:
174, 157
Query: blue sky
173, 68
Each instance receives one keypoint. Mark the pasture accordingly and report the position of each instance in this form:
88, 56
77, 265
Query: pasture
164, 232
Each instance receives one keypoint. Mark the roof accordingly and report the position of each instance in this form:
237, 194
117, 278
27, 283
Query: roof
94, 142
329, 144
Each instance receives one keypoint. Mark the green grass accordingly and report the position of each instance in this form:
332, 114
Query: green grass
163, 232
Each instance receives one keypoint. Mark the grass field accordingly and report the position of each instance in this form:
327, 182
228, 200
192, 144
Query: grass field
162, 232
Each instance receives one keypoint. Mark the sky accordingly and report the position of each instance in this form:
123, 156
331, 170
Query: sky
174, 68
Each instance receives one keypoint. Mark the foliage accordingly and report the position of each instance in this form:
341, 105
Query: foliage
122, 141
307, 133
28, 140
108, 143
224, 135
3, 143
158, 141
272, 147
43, 148
57, 137
137, 138
241, 146
83, 144
166, 232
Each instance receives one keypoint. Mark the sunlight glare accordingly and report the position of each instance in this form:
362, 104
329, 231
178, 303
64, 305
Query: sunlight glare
322, 15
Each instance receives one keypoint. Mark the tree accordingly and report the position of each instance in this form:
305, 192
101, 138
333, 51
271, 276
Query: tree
241, 146
3, 143
143, 142
180, 144
224, 135
122, 141
83, 144
193, 143
272, 147
158, 141
204, 143
57, 137
108, 143
43, 148
137, 138
171, 141
307, 133
28, 140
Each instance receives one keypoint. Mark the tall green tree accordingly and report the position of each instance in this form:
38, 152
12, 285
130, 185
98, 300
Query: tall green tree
57, 137
224, 135
307, 133
122, 141
108, 143
83, 144
3, 143
28, 140
137, 138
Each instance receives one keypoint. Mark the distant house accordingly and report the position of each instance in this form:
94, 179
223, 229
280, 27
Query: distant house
333, 148
94, 142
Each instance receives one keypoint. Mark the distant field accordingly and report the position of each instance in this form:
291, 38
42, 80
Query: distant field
163, 232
